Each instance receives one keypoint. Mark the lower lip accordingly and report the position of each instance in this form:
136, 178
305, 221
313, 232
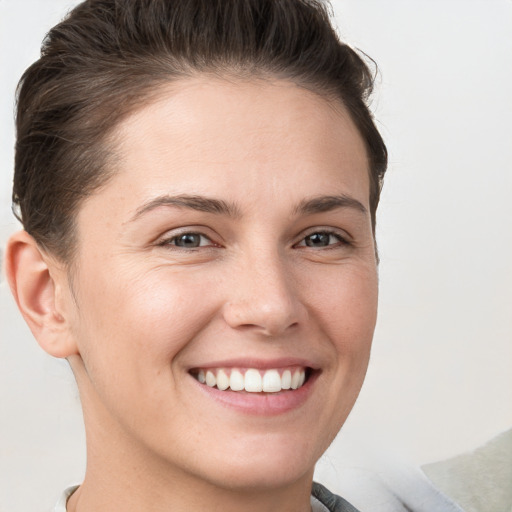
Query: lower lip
262, 404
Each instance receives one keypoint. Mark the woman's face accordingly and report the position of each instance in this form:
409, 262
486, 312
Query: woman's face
235, 243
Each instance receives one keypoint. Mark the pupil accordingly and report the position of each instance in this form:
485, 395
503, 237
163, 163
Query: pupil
317, 240
188, 240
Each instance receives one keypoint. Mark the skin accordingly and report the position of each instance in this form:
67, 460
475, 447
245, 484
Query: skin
140, 312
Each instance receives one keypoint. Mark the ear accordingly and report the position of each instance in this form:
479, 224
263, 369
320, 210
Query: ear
40, 288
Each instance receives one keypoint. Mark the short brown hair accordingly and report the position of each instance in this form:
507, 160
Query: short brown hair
105, 58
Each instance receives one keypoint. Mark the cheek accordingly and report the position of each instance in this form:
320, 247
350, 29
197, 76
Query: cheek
348, 316
347, 308
138, 324
346, 312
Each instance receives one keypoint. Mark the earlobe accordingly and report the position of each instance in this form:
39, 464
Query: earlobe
36, 283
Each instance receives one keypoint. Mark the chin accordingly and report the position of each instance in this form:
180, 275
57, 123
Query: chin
268, 463
259, 477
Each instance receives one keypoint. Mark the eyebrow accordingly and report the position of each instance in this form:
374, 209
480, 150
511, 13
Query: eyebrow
322, 204
310, 206
193, 202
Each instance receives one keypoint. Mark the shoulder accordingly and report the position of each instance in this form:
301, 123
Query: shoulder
332, 502
61, 504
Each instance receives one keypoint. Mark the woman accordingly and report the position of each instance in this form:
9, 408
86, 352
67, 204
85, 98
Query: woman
198, 182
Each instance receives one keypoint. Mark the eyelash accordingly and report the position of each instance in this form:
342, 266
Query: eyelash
340, 240
331, 234
172, 241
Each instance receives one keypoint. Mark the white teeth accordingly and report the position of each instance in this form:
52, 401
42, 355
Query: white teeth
210, 379
286, 380
295, 379
236, 380
271, 381
254, 381
222, 380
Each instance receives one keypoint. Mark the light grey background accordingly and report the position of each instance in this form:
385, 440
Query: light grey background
439, 381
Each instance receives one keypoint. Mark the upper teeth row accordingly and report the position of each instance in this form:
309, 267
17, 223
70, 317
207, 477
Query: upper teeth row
253, 381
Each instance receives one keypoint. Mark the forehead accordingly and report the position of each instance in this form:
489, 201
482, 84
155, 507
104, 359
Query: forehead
239, 138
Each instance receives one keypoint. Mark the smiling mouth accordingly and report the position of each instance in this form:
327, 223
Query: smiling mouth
252, 380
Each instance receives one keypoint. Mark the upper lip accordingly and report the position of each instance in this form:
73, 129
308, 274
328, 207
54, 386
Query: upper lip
259, 364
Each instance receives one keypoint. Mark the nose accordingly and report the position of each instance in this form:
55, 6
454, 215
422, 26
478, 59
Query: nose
262, 297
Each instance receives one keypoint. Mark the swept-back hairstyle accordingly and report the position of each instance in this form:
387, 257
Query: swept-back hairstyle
108, 57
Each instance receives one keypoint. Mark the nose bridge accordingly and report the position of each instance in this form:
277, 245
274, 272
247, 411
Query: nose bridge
262, 294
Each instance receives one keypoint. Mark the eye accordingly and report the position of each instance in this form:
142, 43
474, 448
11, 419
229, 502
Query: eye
188, 241
321, 239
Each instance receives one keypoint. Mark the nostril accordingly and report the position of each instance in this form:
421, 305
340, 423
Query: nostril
269, 319
268, 303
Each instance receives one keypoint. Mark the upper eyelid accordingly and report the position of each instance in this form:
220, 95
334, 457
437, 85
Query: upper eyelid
182, 230
341, 239
203, 231
324, 229
173, 234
